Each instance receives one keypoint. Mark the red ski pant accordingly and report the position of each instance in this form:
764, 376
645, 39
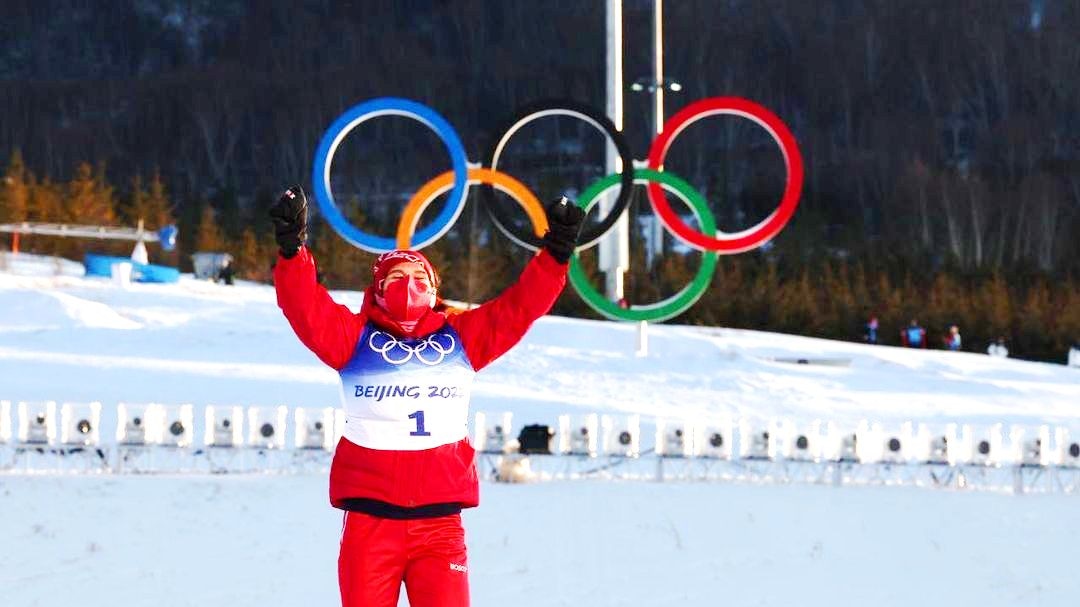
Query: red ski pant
378, 554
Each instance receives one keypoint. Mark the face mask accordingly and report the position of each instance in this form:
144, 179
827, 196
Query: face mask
406, 299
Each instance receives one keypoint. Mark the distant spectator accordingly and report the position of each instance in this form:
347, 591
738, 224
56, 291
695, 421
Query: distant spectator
870, 330
952, 339
1074, 355
913, 336
997, 348
225, 274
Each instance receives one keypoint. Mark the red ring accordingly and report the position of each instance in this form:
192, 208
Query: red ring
793, 162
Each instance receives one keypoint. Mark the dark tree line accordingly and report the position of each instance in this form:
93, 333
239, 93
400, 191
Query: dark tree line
940, 139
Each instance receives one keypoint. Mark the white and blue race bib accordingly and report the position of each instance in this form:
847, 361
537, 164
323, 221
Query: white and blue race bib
406, 394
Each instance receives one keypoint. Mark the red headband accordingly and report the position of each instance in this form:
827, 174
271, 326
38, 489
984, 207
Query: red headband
387, 260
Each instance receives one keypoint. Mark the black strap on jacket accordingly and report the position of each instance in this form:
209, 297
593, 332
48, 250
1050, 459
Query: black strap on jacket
380, 509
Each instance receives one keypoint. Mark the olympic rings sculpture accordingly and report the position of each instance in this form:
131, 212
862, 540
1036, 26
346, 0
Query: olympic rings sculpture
389, 346
709, 239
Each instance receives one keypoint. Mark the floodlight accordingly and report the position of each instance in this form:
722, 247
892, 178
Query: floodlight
37, 422
492, 431
266, 427
535, 439
622, 435
314, 428
578, 434
223, 426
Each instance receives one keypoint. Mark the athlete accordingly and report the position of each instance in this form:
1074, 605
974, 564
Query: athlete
404, 469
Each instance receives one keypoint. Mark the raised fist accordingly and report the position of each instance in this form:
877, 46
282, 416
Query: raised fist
289, 215
564, 224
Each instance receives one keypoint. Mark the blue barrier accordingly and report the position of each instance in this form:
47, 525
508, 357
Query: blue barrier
101, 265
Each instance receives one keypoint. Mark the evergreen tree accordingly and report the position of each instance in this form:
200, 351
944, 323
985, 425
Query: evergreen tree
46, 201
1068, 320
255, 256
89, 201
149, 205
15, 191
158, 210
208, 235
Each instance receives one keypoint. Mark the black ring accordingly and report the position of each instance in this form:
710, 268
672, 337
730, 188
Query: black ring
501, 214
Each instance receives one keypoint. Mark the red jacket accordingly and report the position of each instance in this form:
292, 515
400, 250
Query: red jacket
409, 479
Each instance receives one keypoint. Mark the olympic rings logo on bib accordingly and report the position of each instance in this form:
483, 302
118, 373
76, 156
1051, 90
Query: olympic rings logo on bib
709, 239
431, 350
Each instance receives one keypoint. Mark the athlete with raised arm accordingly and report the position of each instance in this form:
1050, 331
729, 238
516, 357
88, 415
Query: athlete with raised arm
404, 468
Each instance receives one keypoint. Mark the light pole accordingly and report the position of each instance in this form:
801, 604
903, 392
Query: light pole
614, 249
657, 88
654, 240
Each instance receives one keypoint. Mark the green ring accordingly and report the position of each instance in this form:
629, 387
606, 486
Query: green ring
677, 303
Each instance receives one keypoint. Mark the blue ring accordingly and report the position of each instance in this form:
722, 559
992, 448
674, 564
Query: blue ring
320, 171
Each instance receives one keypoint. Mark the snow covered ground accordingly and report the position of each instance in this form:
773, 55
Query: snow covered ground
270, 539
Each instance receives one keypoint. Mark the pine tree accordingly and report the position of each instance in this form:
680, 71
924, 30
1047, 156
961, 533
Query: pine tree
1068, 320
726, 292
255, 256
1034, 322
88, 201
208, 236
45, 204
763, 297
46, 201
158, 211
150, 206
132, 211
993, 307
838, 314
15, 191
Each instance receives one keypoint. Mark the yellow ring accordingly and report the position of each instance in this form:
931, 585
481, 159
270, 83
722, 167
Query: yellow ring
439, 185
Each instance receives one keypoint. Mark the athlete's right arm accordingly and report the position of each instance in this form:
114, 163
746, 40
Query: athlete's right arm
327, 328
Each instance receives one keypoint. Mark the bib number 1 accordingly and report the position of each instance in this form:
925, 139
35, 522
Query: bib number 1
419, 417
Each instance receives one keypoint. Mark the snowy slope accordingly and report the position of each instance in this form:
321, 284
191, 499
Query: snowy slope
269, 540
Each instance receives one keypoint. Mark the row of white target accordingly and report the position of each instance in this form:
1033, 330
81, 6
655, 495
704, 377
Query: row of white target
950, 444
590, 434
79, 424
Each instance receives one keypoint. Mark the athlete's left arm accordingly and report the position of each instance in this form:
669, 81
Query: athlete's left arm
488, 331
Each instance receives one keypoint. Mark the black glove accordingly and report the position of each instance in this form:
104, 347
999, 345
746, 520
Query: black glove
564, 224
289, 215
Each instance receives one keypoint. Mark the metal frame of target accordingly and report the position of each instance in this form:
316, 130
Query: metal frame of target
44, 437
48, 437
709, 239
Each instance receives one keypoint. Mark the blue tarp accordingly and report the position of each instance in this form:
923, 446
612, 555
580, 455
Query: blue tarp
101, 265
